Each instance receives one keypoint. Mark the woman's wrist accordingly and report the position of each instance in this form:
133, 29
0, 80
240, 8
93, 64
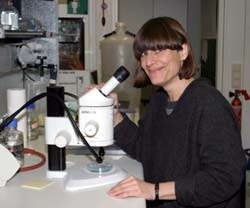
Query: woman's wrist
118, 117
162, 191
157, 191
167, 191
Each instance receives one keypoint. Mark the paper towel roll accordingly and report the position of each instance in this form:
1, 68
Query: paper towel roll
16, 97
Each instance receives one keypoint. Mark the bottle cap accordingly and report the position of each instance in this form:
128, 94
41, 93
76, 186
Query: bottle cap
13, 123
31, 106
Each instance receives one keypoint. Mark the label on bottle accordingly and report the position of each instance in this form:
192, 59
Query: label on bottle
34, 125
32, 129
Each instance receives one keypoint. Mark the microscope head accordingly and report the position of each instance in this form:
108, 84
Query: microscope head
96, 111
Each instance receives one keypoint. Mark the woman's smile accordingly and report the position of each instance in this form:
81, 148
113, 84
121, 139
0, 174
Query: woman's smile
161, 66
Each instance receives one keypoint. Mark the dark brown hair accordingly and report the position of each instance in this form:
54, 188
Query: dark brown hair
158, 34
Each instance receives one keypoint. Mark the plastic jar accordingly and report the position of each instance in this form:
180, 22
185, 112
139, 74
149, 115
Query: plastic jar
116, 51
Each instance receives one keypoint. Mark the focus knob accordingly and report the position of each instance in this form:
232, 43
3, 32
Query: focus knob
62, 139
91, 128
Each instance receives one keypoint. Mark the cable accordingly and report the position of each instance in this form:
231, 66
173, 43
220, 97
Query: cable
36, 153
12, 116
27, 75
71, 95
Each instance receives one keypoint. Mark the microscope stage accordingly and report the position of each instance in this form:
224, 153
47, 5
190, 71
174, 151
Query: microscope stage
82, 177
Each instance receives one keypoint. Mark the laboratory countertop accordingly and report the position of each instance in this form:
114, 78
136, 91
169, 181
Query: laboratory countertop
17, 194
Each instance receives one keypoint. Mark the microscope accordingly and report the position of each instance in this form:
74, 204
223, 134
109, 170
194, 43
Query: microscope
95, 129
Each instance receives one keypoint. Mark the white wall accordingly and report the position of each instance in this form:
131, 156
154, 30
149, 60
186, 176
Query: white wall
177, 9
137, 12
134, 13
234, 48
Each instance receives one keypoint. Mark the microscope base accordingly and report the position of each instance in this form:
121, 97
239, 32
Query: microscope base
56, 174
79, 177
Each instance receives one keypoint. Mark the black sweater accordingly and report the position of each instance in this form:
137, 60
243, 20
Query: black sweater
198, 146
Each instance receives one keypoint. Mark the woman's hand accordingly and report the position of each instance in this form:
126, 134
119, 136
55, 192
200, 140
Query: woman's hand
133, 187
117, 115
91, 86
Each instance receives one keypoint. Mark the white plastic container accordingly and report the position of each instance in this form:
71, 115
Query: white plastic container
16, 97
116, 51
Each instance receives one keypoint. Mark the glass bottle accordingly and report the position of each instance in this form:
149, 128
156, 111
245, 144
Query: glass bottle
14, 141
9, 16
32, 123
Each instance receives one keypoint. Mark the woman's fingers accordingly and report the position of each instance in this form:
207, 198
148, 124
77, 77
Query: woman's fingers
132, 187
91, 86
117, 115
123, 189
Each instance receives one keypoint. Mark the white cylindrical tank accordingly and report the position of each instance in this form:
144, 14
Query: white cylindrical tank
116, 51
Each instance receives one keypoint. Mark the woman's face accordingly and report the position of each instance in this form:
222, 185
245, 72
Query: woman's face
162, 66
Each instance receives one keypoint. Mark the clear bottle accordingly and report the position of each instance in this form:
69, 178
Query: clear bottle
9, 16
32, 123
14, 141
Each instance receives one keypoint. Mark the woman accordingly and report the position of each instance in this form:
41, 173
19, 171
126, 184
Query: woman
188, 140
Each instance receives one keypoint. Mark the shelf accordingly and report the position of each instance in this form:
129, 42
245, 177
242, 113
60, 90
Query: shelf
10, 36
68, 42
8, 72
23, 34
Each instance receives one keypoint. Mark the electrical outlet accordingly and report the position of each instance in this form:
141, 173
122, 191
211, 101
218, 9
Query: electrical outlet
236, 76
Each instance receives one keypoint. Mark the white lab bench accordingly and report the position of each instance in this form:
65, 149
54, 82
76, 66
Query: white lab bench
13, 195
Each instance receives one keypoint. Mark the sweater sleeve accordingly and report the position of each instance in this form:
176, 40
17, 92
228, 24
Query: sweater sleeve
126, 136
130, 136
222, 159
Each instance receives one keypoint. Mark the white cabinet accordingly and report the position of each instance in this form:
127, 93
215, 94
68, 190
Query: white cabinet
177, 9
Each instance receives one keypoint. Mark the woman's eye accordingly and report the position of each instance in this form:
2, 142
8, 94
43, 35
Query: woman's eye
144, 54
150, 52
157, 51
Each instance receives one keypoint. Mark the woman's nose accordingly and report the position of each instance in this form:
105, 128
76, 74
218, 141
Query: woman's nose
149, 59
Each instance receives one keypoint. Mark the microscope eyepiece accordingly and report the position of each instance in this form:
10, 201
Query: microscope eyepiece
121, 74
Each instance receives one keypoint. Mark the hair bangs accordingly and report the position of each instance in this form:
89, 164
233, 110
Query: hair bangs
152, 40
